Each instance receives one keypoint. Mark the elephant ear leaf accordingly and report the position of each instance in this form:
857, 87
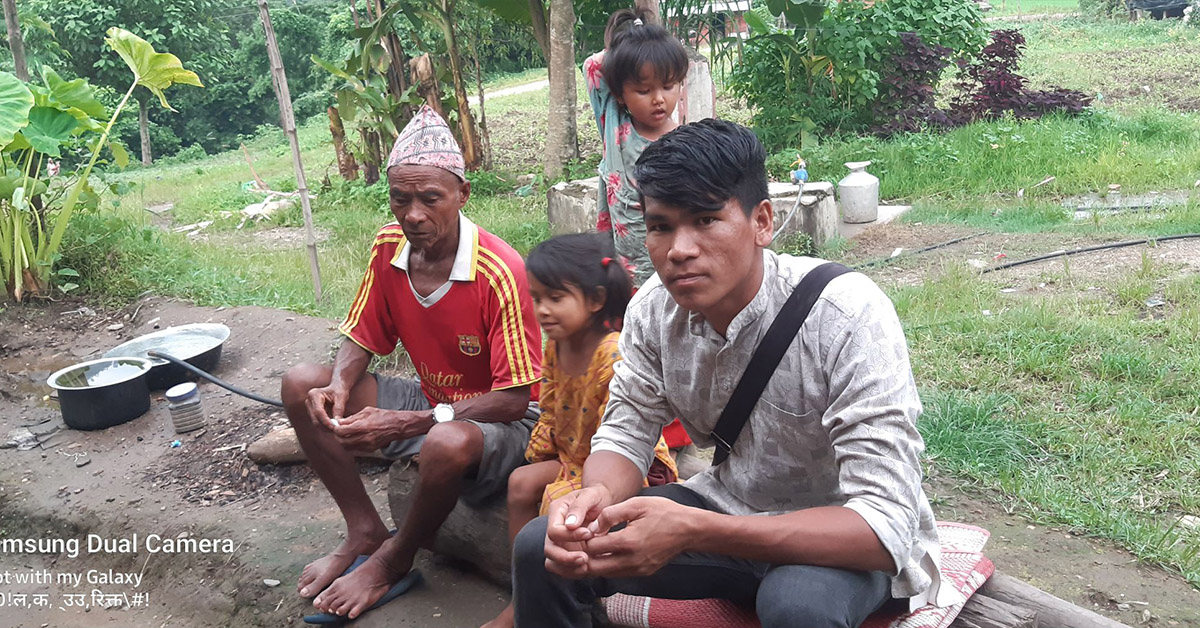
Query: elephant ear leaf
48, 128
15, 102
76, 93
120, 155
156, 71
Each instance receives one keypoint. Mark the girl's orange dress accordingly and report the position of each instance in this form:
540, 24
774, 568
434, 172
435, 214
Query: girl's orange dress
572, 407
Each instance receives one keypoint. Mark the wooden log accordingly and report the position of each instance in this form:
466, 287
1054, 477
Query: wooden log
478, 536
982, 611
1052, 612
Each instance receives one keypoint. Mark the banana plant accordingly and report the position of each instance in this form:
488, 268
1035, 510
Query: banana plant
365, 99
36, 123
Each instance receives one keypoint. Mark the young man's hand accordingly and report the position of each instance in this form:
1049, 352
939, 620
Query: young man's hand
656, 531
572, 520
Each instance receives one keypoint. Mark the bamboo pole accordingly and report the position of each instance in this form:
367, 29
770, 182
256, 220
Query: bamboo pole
286, 117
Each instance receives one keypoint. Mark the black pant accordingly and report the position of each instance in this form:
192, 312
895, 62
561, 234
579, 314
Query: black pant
783, 595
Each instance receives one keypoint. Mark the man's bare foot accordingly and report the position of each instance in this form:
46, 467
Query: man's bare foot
355, 592
318, 574
503, 620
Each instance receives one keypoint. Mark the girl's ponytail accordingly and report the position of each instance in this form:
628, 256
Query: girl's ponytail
620, 23
589, 262
618, 289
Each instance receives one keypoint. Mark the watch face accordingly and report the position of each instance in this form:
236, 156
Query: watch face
441, 414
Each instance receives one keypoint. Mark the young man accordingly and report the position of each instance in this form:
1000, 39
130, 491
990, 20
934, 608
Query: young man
457, 299
817, 518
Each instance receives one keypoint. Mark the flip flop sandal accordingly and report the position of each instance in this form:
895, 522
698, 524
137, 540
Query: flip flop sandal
354, 565
410, 580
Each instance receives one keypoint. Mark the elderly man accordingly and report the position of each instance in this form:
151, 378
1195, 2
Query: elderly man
457, 299
817, 516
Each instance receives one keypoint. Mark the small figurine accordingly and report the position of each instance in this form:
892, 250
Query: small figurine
800, 173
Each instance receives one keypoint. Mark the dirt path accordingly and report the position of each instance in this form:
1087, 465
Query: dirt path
510, 91
279, 518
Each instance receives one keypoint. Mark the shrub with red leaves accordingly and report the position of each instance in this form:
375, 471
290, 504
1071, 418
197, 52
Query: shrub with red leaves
906, 103
991, 87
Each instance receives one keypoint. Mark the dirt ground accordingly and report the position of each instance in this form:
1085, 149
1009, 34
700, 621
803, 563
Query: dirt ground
279, 518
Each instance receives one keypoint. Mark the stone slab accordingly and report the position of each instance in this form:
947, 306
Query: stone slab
887, 213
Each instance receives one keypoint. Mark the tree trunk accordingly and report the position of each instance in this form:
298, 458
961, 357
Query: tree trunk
397, 84
483, 130
15, 43
466, 122
144, 130
541, 32
347, 167
651, 7
562, 144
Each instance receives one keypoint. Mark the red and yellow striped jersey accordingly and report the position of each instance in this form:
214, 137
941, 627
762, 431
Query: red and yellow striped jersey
478, 335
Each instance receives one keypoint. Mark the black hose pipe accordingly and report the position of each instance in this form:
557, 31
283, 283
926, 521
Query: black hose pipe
886, 260
1089, 249
214, 379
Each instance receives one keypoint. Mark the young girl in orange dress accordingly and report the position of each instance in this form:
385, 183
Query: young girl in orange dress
580, 289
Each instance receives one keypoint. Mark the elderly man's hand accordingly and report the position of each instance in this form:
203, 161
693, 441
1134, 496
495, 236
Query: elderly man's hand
372, 428
572, 520
327, 403
656, 531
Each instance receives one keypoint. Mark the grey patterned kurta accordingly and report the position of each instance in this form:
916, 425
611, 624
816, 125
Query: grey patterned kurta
836, 425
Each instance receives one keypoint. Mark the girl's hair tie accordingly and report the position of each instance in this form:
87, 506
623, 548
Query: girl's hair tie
606, 261
638, 21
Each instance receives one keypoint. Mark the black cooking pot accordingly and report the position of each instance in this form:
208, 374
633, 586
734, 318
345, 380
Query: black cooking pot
99, 394
197, 344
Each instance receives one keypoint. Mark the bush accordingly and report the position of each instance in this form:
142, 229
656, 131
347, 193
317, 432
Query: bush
194, 152
990, 87
907, 94
487, 183
828, 78
1106, 9
311, 105
101, 247
798, 244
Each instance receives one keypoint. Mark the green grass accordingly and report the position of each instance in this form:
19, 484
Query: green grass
1043, 217
512, 79
1005, 8
1152, 150
517, 124
1129, 67
236, 267
1075, 405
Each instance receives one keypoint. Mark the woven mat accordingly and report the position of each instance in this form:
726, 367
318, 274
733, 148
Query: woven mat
963, 567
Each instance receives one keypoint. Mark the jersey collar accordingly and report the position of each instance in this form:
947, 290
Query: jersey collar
464, 258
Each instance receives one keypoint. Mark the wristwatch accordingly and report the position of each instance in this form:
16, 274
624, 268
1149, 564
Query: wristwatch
443, 412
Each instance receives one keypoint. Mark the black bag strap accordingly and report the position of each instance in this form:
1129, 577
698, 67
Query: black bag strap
767, 356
